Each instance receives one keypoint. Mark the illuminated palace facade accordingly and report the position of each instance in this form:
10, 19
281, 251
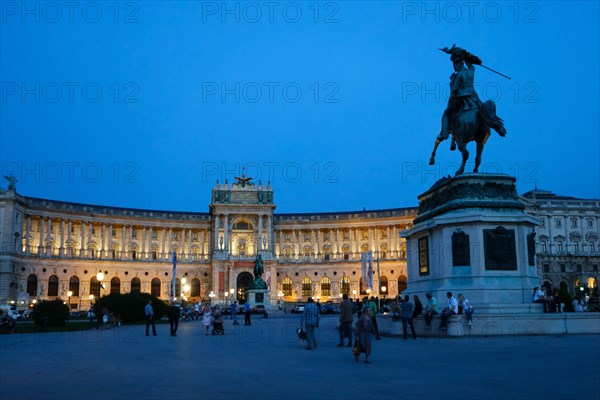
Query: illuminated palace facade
53, 249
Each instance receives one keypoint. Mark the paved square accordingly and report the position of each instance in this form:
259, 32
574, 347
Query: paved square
265, 361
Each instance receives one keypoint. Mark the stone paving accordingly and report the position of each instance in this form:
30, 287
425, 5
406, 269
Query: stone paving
265, 361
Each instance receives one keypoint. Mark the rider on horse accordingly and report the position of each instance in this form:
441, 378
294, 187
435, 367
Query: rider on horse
462, 91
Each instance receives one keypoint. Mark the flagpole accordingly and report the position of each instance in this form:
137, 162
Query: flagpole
378, 280
174, 278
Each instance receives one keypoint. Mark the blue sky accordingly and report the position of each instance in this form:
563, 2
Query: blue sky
146, 104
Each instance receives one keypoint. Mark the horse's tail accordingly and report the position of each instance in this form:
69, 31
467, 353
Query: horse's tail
488, 114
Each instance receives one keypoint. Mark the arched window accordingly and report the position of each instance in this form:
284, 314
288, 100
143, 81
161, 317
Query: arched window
345, 284
195, 292
287, 287
155, 287
95, 286
136, 285
74, 285
402, 283
115, 285
53, 286
32, 282
325, 286
307, 287
591, 283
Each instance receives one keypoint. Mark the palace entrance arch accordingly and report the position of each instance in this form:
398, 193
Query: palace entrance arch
244, 280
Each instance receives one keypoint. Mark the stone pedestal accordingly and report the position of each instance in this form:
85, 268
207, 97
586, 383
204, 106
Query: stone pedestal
259, 297
472, 236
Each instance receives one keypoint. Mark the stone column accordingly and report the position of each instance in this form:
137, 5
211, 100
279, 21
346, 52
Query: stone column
394, 241
41, 243
109, 240
260, 225
149, 243
338, 240
294, 252
312, 240
61, 249
69, 239
189, 246
170, 238
90, 238
162, 245
319, 242
103, 242
216, 238
82, 246
280, 254
48, 237
202, 244
143, 243
123, 241
27, 233
226, 233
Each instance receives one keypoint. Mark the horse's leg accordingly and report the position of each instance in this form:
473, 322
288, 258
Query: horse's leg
478, 155
462, 147
435, 146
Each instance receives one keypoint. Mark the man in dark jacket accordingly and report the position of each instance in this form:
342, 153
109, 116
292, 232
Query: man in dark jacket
346, 314
174, 313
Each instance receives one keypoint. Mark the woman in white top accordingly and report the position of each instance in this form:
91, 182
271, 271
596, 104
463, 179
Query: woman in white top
467, 308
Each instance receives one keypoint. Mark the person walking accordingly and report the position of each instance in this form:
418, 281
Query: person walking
233, 309
150, 318
407, 317
363, 334
310, 321
346, 316
207, 319
174, 314
247, 311
373, 311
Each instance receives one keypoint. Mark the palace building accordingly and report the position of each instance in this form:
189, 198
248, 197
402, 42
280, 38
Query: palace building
77, 252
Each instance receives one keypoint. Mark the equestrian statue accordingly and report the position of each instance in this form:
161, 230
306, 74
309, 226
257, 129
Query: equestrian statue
466, 117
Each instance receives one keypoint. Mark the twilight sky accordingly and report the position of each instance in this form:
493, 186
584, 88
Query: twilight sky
146, 104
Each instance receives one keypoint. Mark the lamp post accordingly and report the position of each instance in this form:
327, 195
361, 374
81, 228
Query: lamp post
354, 294
100, 277
69, 294
211, 295
226, 296
383, 289
280, 296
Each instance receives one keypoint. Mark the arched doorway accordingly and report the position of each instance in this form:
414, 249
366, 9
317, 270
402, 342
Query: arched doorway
244, 280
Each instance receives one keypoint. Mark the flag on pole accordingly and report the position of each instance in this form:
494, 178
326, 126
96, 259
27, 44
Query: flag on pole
370, 270
174, 276
367, 271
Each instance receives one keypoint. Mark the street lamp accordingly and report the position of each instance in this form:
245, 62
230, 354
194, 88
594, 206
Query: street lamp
91, 300
211, 295
354, 294
226, 296
69, 294
383, 289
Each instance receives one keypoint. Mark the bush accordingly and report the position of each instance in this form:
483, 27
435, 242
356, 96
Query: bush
129, 307
50, 313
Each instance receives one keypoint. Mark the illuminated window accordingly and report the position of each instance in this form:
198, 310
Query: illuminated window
306, 287
326, 287
287, 287
345, 285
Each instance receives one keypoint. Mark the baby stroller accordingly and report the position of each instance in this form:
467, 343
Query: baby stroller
218, 326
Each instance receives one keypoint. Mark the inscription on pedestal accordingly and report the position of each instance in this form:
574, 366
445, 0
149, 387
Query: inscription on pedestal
423, 256
461, 254
500, 249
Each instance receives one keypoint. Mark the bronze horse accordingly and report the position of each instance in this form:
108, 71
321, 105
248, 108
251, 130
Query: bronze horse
472, 125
